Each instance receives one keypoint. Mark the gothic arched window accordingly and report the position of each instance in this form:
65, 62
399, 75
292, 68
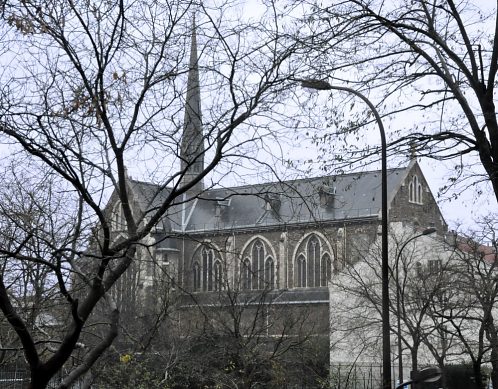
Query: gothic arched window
196, 270
258, 255
415, 191
313, 264
206, 270
262, 266
313, 261
326, 269
301, 272
246, 276
218, 276
269, 273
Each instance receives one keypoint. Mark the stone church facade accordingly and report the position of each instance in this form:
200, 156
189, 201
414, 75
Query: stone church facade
290, 236
283, 239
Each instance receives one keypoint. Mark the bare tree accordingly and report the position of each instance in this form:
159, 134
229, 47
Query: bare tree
89, 89
356, 306
28, 225
434, 60
446, 298
243, 338
229, 336
467, 310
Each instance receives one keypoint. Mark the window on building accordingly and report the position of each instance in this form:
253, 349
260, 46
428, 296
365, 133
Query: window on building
196, 270
434, 266
326, 269
160, 264
415, 191
269, 273
258, 266
205, 269
246, 275
318, 263
218, 276
301, 272
257, 253
313, 262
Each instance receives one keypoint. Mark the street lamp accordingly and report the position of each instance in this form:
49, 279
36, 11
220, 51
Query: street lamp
427, 231
386, 342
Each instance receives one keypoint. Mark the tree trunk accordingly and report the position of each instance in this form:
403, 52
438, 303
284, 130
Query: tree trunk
488, 148
476, 367
414, 351
415, 357
494, 356
39, 379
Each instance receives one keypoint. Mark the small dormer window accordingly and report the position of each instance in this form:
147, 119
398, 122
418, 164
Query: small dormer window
222, 206
415, 191
273, 202
327, 195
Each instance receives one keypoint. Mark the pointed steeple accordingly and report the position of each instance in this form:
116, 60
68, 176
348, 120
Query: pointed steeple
192, 147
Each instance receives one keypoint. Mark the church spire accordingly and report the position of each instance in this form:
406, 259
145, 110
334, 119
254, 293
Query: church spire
192, 146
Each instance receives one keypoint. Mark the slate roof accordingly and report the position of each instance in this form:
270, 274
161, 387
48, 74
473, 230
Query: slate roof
350, 196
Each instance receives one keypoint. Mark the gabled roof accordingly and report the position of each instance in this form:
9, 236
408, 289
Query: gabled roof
309, 200
472, 247
330, 198
147, 195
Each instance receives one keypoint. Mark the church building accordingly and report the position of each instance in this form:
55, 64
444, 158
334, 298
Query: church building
284, 239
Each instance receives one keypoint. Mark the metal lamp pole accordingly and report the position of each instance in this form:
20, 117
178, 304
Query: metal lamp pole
386, 342
427, 231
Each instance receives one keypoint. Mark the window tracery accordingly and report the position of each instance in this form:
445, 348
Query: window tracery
246, 276
313, 264
301, 272
218, 276
196, 270
269, 273
415, 191
313, 261
206, 270
326, 269
258, 267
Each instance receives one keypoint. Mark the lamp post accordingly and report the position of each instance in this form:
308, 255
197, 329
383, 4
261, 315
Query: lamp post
427, 231
386, 342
